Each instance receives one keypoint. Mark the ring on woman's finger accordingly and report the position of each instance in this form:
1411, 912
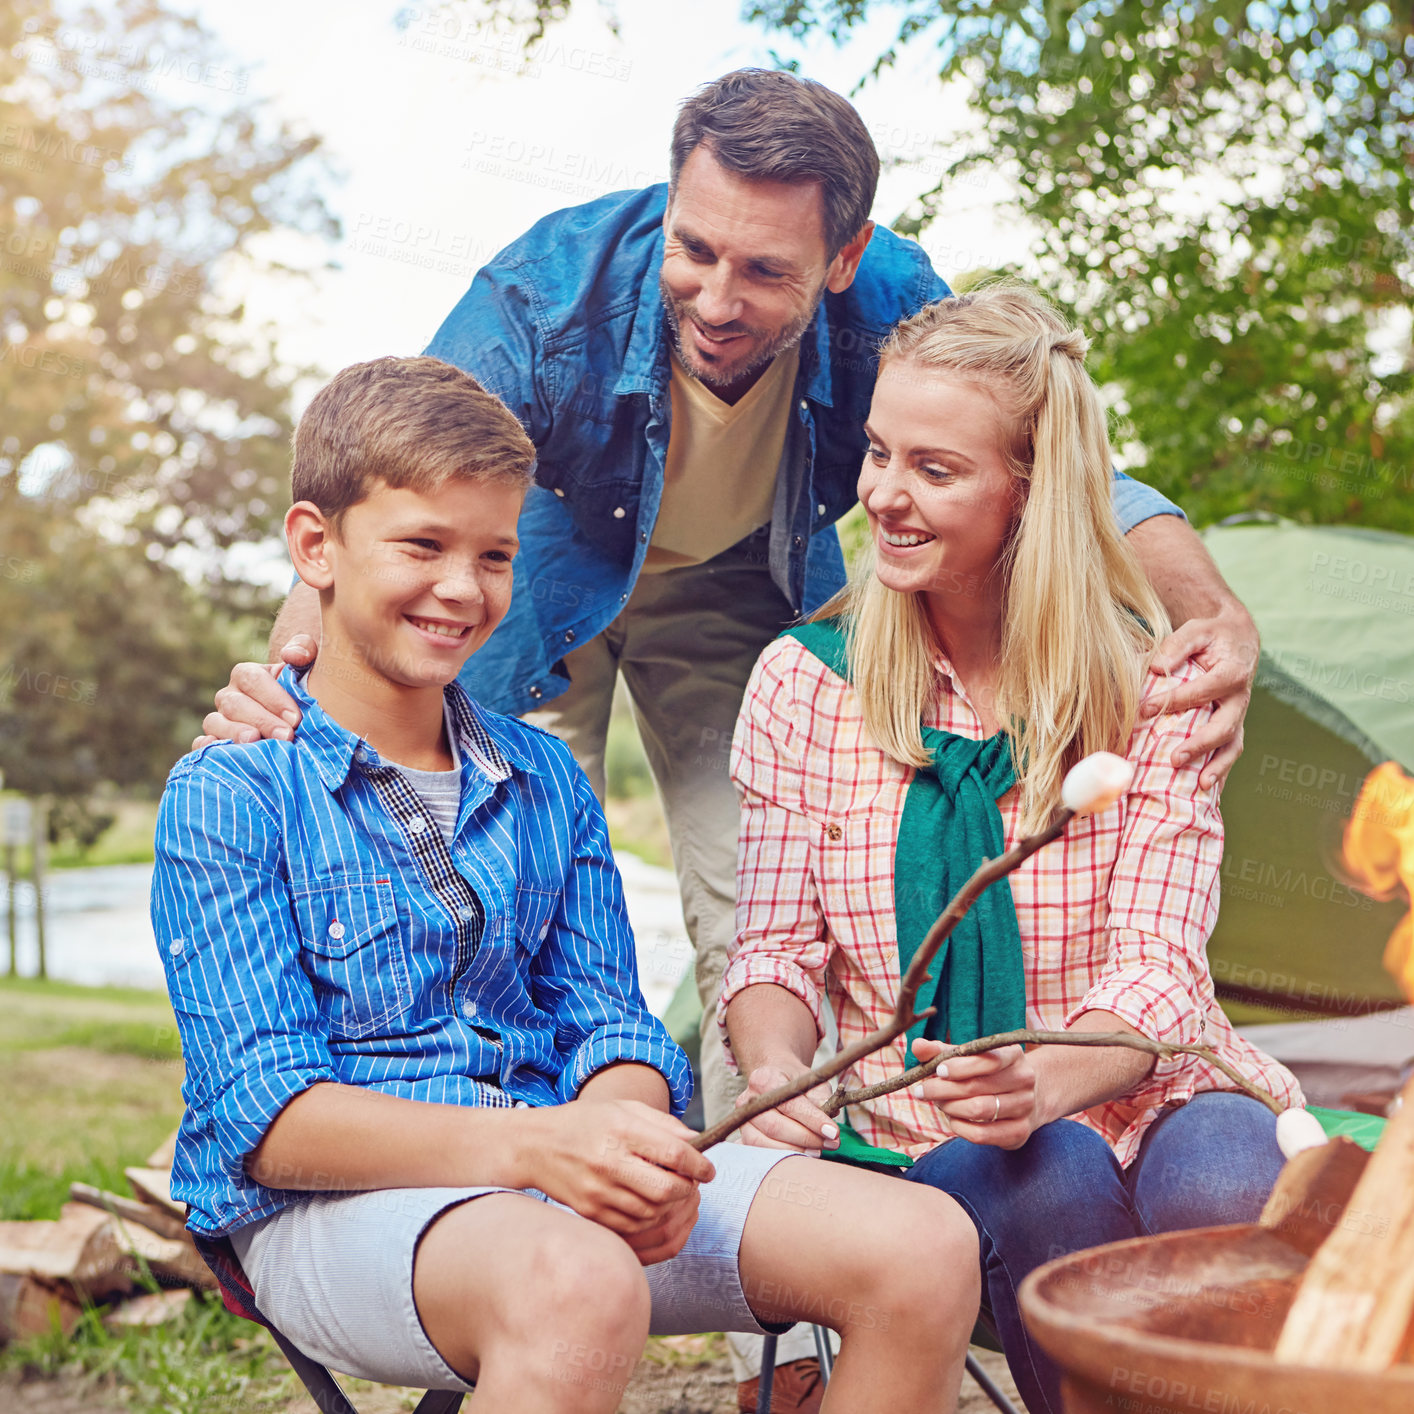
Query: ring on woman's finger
996, 1113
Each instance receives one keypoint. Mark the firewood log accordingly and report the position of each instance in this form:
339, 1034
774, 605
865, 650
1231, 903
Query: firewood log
154, 1186
173, 1261
1312, 1193
146, 1215
48, 1268
1354, 1308
31, 1306
81, 1248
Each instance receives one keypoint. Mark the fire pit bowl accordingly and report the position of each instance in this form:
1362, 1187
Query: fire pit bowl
1185, 1323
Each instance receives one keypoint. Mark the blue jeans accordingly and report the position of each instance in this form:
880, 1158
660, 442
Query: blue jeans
1211, 1161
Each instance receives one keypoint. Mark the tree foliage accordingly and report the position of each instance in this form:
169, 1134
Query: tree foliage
1223, 191
145, 427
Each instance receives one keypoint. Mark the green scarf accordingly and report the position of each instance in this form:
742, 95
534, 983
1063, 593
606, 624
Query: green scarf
950, 824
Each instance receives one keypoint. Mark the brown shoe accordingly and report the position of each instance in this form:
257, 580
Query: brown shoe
798, 1389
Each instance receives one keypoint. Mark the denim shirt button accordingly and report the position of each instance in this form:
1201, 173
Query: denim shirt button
176, 945
642, 537
336, 930
536, 693
569, 635
798, 542
804, 406
559, 491
619, 513
820, 509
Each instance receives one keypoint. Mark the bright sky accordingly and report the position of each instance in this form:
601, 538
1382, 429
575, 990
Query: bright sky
448, 153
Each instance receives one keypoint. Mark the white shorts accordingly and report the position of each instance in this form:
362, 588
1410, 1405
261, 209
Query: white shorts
333, 1272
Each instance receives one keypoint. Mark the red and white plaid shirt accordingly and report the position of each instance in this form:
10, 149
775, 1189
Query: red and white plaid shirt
1114, 916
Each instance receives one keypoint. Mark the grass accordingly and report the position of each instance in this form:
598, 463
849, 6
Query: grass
204, 1360
92, 1083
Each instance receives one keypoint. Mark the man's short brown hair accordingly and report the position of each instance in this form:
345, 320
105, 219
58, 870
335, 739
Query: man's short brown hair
776, 127
411, 423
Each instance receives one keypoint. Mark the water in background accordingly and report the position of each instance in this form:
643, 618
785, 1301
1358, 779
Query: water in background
97, 929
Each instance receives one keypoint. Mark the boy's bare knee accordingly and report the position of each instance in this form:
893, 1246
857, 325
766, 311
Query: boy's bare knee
541, 1291
926, 1256
575, 1278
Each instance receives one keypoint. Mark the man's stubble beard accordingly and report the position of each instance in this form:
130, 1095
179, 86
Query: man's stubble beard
761, 357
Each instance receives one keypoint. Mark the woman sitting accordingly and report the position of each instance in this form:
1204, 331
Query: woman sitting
922, 721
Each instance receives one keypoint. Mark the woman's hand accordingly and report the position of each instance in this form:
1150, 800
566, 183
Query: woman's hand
799, 1124
988, 1098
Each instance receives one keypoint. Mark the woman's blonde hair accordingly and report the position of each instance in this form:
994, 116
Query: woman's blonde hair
1080, 621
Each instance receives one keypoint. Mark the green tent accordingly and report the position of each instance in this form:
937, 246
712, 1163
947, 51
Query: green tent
1334, 697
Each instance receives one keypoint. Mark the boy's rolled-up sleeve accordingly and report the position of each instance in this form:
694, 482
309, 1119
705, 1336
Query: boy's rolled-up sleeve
586, 972
252, 1036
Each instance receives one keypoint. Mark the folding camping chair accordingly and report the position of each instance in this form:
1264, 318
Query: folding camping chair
239, 1299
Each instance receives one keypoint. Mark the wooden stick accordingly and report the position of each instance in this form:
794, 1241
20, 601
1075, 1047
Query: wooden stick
904, 1015
1026, 1036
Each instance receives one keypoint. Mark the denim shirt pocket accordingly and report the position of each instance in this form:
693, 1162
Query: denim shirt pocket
353, 952
535, 912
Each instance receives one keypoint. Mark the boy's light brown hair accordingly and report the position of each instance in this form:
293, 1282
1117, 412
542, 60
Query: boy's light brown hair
410, 423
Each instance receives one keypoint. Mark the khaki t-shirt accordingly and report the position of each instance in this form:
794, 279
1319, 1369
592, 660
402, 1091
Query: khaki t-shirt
719, 483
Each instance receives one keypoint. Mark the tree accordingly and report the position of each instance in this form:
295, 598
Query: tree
145, 427
1223, 190
107, 656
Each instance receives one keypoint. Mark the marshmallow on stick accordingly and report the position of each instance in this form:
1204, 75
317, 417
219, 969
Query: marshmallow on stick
1094, 784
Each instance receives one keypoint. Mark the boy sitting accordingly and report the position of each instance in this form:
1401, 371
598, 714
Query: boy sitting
402, 969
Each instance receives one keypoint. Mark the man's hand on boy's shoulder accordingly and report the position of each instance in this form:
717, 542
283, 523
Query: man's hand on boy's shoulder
253, 706
625, 1165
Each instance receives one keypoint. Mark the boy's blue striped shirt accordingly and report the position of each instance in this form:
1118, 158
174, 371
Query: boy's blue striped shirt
314, 928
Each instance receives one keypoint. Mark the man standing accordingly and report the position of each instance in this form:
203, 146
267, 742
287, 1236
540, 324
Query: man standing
694, 364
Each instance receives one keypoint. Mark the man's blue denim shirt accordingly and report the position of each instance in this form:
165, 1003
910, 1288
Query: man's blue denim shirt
315, 926
567, 326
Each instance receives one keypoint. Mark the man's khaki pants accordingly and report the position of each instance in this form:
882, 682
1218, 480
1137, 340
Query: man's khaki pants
686, 642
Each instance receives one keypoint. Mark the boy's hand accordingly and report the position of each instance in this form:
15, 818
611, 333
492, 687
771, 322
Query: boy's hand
799, 1124
253, 706
625, 1165
988, 1098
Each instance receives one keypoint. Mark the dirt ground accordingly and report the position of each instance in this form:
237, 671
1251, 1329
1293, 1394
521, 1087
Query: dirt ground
657, 1388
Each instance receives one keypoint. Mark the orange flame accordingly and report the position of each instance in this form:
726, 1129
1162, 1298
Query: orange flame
1379, 853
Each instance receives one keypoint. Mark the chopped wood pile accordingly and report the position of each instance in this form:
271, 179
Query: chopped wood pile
97, 1251
1354, 1306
